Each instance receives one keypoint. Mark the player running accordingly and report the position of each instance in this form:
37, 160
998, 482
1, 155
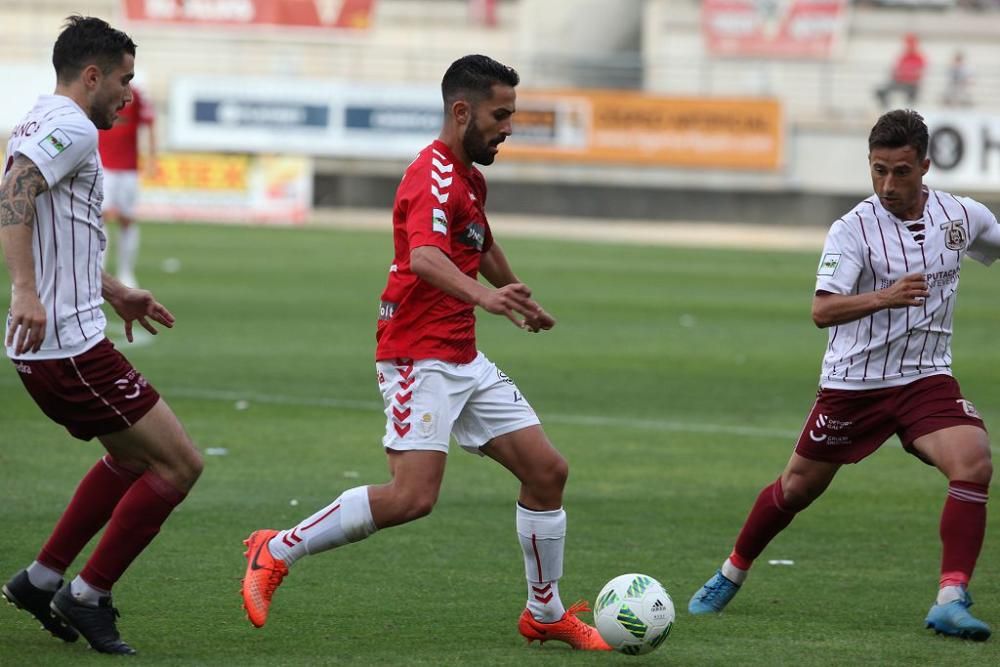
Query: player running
53, 239
434, 382
886, 286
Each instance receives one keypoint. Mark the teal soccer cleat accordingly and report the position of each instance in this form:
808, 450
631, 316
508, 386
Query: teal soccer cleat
954, 619
714, 595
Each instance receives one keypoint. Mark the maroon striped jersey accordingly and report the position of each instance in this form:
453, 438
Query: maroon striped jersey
869, 249
439, 203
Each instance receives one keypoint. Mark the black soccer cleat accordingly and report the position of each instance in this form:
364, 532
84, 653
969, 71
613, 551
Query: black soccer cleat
96, 624
24, 595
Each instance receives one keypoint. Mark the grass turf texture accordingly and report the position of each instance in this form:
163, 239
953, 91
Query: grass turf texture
675, 384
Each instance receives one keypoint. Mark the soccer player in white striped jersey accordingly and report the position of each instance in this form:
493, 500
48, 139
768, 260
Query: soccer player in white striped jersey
53, 238
886, 288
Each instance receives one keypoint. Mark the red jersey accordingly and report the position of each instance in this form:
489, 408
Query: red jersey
439, 203
119, 146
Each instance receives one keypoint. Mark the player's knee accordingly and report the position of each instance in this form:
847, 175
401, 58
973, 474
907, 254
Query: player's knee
979, 471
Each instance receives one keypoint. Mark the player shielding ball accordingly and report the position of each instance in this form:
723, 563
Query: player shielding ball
886, 287
53, 238
434, 382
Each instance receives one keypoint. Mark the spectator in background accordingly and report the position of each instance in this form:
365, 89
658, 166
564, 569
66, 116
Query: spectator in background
907, 73
957, 94
119, 148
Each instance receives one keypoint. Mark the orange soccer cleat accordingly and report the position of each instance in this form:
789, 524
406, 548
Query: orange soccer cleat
263, 576
567, 629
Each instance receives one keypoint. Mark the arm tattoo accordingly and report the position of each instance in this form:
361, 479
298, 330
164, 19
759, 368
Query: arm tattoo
21, 184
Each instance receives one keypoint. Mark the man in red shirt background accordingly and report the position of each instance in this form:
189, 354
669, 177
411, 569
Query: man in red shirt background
435, 383
907, 73
119, 149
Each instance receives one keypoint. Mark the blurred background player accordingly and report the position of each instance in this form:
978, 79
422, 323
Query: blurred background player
887, 284
120, 148
52, 237
434, 382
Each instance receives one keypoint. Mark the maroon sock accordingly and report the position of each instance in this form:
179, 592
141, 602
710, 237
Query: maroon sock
963, 526
134, 524
767, 518
91, 507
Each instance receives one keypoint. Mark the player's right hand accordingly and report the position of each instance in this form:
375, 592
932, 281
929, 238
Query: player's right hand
26, 322
910, 290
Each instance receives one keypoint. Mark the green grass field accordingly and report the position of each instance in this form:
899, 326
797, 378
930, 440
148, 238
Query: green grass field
675, 384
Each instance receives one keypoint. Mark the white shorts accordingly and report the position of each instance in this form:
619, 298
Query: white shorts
121, 190
427, 400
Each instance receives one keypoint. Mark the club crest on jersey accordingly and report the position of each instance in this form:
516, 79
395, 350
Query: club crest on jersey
439, 221
955, 236
55, 142
828, 265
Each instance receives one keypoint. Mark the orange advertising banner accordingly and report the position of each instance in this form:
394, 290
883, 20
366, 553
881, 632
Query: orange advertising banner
625, 127
351, 14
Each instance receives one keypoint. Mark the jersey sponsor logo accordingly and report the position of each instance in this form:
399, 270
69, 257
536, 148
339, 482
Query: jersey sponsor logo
955, 236
386, 310
828, 265
439, 221
55, 142
475, 236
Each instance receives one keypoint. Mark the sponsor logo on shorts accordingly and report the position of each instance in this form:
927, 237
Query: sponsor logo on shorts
426, 425
825, 430
23, 369
132, 384
503, 377
969, 408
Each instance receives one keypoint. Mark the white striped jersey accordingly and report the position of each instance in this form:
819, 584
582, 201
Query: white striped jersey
69, 233
869, 249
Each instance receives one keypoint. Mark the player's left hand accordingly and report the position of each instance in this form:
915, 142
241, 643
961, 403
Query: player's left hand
140, 305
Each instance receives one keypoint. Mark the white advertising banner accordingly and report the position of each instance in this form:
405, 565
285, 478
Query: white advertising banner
306, 117
964, 151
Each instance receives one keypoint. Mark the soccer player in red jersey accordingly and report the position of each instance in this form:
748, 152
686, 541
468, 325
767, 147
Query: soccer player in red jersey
435, 383
53, 239
119, 148
886, 287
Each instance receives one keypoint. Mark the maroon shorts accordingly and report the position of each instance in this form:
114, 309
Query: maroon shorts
94, 393
846, 426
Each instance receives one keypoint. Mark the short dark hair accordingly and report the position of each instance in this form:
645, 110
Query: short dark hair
474, 76
898, 129
88, 40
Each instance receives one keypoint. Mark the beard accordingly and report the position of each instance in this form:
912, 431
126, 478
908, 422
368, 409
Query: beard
476, 146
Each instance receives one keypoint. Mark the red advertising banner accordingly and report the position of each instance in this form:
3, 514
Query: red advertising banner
773, 28
349, 14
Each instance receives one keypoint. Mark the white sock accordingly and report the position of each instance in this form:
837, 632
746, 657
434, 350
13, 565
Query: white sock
44, 577
949, 594
85, 593
543, 536
733, 573
128, 249
347, 519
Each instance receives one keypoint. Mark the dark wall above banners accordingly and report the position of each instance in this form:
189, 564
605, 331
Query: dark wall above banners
395, 121
779, 28
339, 14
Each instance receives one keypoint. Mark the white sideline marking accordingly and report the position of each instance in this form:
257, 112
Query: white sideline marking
572, 420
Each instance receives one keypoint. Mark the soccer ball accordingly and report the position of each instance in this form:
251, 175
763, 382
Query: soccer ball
634, 614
